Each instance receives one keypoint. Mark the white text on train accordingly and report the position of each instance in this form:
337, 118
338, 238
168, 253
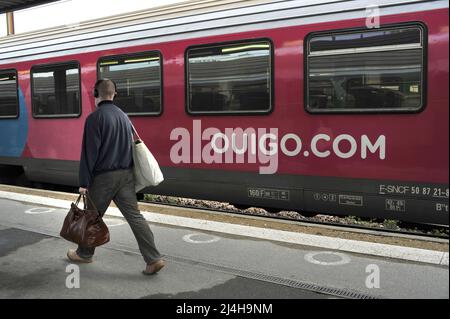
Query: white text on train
263, 145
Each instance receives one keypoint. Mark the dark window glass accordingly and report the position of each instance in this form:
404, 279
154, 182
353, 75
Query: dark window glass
9, 103
138, 80
370, 78
56, 90
230, 78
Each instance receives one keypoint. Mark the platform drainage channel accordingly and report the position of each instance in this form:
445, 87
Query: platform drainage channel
343, 293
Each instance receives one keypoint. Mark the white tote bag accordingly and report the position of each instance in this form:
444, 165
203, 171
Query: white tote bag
146, 168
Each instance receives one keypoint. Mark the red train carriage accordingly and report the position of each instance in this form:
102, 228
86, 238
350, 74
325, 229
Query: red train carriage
315, 106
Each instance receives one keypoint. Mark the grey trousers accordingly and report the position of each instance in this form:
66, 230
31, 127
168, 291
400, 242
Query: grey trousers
118, 186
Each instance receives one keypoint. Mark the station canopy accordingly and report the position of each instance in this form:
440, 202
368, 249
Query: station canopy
13, 5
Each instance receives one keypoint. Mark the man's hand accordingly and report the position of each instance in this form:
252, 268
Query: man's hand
82, 190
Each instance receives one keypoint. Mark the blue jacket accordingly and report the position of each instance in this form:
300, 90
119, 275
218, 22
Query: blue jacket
107, 143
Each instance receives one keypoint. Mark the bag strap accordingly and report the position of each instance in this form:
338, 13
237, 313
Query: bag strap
78, 200
85, 199
135, 132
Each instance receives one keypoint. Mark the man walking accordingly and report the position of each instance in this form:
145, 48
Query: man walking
106, 173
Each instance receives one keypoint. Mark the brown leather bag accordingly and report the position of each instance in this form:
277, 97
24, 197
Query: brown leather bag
85, 227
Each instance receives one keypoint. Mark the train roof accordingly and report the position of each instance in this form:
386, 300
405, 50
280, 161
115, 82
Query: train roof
192, 19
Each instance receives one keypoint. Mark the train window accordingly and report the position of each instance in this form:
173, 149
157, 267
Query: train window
230, 78
55, 90
379, 70
138, 78
9, 102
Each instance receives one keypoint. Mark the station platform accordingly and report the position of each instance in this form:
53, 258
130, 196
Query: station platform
201, 263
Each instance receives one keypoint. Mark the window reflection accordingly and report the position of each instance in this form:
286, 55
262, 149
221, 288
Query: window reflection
370, 79
138, 80
9, 104
230, 78
56, 90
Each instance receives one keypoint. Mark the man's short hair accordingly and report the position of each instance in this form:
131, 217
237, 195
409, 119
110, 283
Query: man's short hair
106, 88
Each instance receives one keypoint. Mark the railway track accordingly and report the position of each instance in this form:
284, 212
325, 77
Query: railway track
421, 230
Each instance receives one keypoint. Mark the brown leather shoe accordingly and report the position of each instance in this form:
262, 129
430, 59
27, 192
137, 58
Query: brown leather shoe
73, 256
154, 267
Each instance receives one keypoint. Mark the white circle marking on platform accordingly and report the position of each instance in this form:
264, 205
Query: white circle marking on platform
344, 259
111, 222
39, 210
188, 238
